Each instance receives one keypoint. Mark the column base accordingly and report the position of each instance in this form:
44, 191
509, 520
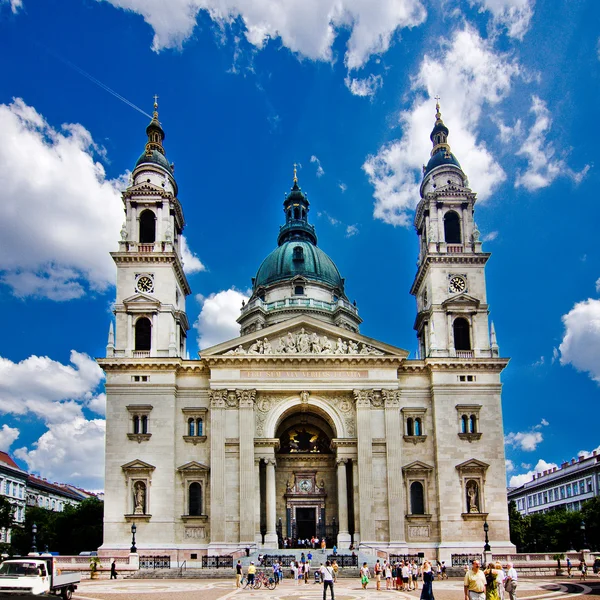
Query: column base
271, 541
343, 540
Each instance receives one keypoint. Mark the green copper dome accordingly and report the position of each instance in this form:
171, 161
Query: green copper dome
298, 257
156, 157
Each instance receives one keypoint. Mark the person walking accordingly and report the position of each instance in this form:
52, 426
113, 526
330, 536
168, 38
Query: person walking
568, 567
364, 575
416, 572
238, 574
377, 571
582, 570
113, 569
510, 583
387, 568
335, 568
427, 591
474, 583
500, 579
251, 574
491, 582
327, 577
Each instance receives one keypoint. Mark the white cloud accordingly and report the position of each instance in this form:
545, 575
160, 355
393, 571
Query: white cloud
308, 27
332, 220
70, 452
367, 86
15, 5
598, 285
7, 436
507, 133
540, 467
540, 362
47, 388
63, 245
587, 453
514, 15
510, 466
490, 237
217, 320
351, 230
526, 440
191, 263
97, 404
580, 346
320, 171
542, 165
466, 62
343, 187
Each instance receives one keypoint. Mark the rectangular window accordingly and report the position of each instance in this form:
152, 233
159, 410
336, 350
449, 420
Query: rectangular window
582, 487
562, 492
545, 497
588, 483
529, 503
568, 490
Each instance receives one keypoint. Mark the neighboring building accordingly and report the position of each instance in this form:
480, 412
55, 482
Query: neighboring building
51, 496
566, 487
302, 425
13, 485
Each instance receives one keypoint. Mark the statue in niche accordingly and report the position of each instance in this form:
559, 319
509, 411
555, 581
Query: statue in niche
473, 496
139, 498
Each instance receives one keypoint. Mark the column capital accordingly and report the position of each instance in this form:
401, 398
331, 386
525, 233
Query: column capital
341, 461
391, 398
218, 398
246, 398
363, 398
270, 461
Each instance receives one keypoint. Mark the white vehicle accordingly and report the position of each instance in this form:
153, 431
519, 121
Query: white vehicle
34, 576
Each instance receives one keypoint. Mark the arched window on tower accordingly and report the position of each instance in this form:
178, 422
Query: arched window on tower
417, 501
298, 253
418, 427
410, 427
147, 227
191, 427
452, 228
199, 427
195, 499
462, 335
143, 334
464, 424
472, 424
296, 213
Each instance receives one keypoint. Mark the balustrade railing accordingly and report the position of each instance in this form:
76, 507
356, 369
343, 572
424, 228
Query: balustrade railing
145, 247
464, 354
454, 248
141, 354
465, 560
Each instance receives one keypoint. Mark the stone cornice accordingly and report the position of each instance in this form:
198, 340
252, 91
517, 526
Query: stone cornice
267, 360
121, 258
150, 364
474, 364
479, 258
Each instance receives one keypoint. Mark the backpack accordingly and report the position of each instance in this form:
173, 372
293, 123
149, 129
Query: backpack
490, 580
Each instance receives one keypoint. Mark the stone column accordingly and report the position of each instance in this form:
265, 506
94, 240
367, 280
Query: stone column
257, 535
393, 437
343, 533
365, 464
217, 467
356, 501
247, 486
130, 344
271, 536
154, 336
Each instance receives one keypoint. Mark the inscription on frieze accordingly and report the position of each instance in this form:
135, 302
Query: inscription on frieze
303, 374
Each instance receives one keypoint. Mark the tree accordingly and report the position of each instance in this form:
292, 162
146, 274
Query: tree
518, 526
591, 515
7, 513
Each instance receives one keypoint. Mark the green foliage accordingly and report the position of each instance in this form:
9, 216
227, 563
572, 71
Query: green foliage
517, 525
75, 529
591, 515
7, 513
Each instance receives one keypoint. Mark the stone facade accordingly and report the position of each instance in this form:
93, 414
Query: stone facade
302, 425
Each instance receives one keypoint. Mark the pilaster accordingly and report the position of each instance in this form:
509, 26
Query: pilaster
217, 474
248, 498
365, 464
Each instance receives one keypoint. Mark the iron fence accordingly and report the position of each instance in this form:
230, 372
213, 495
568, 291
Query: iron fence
465, 560
155, 562
396, 558
218, 562
344, 560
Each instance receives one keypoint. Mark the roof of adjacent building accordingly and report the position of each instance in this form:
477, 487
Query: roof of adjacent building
7, 461
54, 488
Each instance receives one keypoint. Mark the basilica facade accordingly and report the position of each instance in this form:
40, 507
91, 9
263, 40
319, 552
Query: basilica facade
302, 425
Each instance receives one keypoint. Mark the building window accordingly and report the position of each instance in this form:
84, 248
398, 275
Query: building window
462, 334
143, 334
298, 290
417, 502
195, 499
452, 228
140, 422
147, 227
589, 485
298, 253
414, 419
468, 421
194, 424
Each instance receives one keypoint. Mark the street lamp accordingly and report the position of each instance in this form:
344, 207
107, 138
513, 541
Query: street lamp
33, 542
582, 527
486, 528
133, 530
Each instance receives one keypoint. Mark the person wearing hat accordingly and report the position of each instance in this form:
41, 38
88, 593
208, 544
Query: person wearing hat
251, 573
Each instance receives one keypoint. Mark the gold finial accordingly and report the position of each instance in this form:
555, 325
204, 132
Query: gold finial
438, 115
295, 174
155, 114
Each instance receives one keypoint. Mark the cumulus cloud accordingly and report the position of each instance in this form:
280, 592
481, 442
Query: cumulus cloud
490, 237
15, 5
598, 285
510, 466
526, 440
71, 452
217, 320
320, 171
512, 15
7, 436
191, 263
580, 346
351, 230
543, 167
306, 28
342, 186
367, 86
540, 467
466, 61
63, 246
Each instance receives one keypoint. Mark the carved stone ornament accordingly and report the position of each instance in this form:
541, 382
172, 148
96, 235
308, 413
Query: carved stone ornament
260, 424
391, 398
246, 398
264, 405
231, 399
218, 398
363, 398
303, 342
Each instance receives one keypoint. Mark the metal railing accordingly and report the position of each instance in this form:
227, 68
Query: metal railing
218, 562
396, 558
344, 560
464, 560
155, 562
285, 560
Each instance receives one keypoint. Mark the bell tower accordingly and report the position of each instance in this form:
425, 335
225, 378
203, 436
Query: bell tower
151, 286
452, 309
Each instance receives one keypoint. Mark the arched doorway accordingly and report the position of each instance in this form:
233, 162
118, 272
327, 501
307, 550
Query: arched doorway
306, 481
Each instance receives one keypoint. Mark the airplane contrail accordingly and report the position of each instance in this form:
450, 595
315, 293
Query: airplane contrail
96, 81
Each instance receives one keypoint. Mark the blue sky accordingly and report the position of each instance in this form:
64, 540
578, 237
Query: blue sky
344, 88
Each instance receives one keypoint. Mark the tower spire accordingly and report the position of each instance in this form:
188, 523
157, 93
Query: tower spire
439, 134
155, 132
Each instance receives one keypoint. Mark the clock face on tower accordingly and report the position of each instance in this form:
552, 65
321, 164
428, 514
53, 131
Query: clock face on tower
145, 284
457, 284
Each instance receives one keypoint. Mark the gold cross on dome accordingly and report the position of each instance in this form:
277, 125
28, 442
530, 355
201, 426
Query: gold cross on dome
155, 101
295, 173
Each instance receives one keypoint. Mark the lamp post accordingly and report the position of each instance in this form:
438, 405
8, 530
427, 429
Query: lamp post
33, 541
582, 527
486, 528
133, 530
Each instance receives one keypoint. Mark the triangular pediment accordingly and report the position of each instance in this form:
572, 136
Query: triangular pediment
141, 298
462, 300
137, 465
417, 465
472, 465
301, 336
192, 466
145, 187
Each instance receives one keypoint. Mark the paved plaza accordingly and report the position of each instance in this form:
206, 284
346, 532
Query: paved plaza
345, 589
